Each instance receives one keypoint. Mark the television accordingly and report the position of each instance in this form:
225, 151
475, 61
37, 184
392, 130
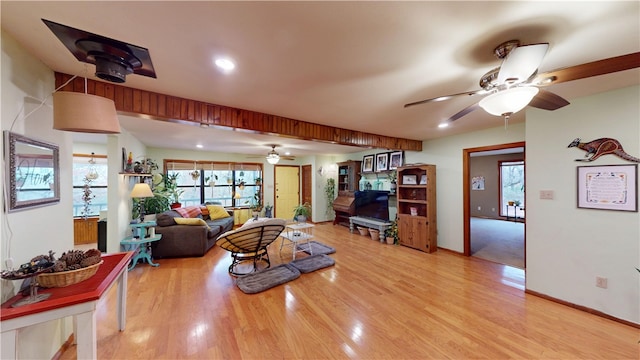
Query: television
372, 204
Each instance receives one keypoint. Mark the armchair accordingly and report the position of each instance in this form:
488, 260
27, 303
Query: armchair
250, 241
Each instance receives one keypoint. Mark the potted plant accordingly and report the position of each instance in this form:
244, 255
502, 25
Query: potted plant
391, 233
258, 181
302, 212
211, 180
330, 193
393, 175
172, 190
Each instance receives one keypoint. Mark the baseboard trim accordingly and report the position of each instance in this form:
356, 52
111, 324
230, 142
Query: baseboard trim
65, 346
582, 308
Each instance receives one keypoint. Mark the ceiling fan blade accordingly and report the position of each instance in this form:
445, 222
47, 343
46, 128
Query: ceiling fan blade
446, 97
547, 100
594, 68
521, 63
464, 112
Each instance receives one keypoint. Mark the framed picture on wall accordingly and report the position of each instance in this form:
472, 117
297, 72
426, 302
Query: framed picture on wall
367, 163
395, 160
382, 162
609, 187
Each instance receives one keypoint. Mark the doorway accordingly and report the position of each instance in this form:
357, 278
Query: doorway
287, 190
492, 231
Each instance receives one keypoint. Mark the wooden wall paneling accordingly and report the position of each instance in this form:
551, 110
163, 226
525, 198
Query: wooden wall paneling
163, 107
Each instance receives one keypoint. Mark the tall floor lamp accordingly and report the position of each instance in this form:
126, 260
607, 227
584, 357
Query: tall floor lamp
141, 191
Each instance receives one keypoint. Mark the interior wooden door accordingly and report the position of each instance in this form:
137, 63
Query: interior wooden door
306, 186
287, 190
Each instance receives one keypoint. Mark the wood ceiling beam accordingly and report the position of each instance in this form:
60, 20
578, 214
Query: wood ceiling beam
171, 108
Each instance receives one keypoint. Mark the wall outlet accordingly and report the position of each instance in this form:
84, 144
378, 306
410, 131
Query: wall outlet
601, 282
546, 194
493, 209
479, 208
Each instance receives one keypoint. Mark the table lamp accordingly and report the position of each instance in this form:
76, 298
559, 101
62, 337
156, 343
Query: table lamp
141, 191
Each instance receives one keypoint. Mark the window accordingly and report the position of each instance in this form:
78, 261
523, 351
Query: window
98, 186
230, 184
511, 187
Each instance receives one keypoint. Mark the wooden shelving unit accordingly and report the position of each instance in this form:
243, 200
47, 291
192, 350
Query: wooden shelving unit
344, 204
348, 172
416, 194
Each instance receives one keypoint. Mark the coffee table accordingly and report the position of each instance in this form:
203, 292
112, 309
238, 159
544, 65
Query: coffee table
295, 233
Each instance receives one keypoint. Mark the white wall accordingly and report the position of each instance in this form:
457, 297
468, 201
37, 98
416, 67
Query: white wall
27, 233
446, 153
568, 247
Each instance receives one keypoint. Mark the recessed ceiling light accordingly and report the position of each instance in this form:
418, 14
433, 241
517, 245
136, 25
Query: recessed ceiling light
287, 153
225, 64
199, 146
443, 125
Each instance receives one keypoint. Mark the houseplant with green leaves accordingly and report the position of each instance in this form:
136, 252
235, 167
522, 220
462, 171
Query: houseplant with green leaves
302, 212
391, 233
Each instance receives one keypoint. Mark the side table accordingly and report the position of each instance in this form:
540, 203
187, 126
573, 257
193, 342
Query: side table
295, 233
141, 245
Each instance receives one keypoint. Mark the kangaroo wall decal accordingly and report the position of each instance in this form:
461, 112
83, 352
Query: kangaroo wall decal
602, 146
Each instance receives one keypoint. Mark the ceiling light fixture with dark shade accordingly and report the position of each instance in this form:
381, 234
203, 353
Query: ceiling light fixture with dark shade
114, 59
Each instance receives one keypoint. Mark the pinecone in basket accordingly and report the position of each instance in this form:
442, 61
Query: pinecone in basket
92, 252
60, 265
74, 267
73, 257
92, 260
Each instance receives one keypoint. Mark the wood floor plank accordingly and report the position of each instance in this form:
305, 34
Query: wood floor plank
378, 302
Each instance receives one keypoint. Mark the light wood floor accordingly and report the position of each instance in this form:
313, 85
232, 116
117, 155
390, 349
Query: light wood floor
378, 302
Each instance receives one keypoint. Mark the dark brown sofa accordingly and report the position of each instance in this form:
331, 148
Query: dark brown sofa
187, 240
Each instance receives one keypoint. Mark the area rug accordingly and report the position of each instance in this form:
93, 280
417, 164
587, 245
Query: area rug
317, 248
313, 263
268, 278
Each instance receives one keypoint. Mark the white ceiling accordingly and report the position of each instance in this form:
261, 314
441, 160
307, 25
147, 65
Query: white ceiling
345, 64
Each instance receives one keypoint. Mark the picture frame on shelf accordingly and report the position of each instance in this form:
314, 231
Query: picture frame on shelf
367, 163
382, 162
395, 160
409, 179
423, 180
608, 187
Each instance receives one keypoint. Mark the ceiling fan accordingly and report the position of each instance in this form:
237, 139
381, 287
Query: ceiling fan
273, 157
516, 83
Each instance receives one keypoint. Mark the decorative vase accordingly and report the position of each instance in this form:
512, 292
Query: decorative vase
375, 234
363, 230
176, 205
393, 187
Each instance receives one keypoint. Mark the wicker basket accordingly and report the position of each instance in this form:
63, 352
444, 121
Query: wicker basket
66, 278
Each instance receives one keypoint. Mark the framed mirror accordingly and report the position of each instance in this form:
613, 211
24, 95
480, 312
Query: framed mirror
32, 173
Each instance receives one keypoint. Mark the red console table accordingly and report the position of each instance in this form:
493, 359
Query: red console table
78, 300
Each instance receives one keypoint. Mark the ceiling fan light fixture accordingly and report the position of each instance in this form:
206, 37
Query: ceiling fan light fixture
273, 158
508, 101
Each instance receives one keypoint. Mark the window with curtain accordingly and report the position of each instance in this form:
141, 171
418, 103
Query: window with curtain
228, 183
84, 170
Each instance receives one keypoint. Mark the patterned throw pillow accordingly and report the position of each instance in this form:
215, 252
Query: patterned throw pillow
217, 212
189, 211
190, 221
204, 211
